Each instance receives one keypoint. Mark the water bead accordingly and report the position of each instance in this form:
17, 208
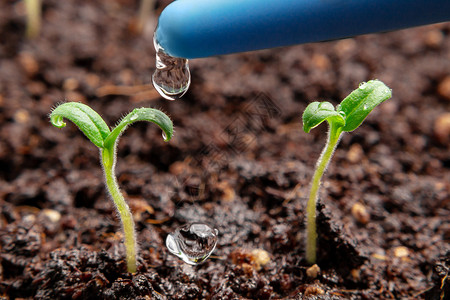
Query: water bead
172, 76
193, 243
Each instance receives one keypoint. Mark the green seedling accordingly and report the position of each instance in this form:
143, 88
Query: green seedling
346, 117
33, 11
96, 130
145, 13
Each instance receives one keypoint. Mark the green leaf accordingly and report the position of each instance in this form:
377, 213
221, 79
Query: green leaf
87, 120
317, 112
143, 114
361, 102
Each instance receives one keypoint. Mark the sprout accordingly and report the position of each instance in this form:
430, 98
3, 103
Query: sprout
345, 118
33, 11
96, 130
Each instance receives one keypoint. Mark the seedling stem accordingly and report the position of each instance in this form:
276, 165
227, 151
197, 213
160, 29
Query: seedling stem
33, 11
109, 163
93, 126
334, 135
347, 116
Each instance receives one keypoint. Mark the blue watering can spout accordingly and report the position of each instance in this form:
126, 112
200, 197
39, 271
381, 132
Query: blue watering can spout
202, 28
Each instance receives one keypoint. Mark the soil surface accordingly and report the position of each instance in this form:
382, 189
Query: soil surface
239, 161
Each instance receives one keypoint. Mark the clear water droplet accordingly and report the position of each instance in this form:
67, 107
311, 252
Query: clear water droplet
365, 107
164, 135
362, 85
134, 117
172, 77
326, 106
193, 243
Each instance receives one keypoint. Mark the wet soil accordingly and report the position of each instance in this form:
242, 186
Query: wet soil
239, 161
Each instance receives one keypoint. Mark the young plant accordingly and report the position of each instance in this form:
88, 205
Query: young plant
145, 13
345, 118
96, 130
33, 11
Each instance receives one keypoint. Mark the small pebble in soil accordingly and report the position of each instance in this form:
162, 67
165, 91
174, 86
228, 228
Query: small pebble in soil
360, 213
442, 128
444, 88
313, 271
356, 274
172, 77
22, 116
355, 153
401, 251
260, 257
193, 243
51, 215
313, 291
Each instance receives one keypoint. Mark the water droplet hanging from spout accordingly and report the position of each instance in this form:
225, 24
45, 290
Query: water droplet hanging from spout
172, 77
193, 243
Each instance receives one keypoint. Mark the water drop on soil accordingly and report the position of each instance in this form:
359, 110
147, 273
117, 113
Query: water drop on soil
193, 243
172, 77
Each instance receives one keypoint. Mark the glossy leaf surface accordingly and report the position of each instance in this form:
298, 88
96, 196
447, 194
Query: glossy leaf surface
86, 119
317, 112
356, 106
143, 114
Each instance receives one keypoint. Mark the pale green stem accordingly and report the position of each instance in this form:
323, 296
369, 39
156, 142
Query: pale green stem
145, 11
311, 242
108, 157
33, 11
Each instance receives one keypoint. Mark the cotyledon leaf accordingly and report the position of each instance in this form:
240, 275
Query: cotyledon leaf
361, 102
85, 118
317, 112
143, 114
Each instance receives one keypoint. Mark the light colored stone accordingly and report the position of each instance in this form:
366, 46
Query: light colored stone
359, 212
313, 271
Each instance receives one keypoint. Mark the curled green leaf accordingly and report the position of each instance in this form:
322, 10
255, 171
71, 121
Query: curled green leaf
143, 114
85, 118
317, 112
361, 102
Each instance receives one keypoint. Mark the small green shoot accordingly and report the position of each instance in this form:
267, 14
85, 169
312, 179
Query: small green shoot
345, 118
145, 13
33, 11
96, 130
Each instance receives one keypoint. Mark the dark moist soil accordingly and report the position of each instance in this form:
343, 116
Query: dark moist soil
239, 161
